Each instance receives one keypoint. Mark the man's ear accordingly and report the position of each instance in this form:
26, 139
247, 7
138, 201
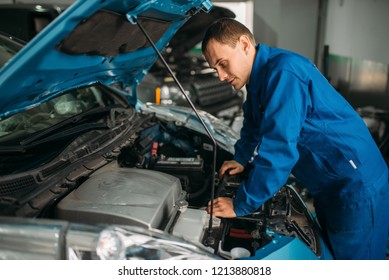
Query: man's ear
245, 43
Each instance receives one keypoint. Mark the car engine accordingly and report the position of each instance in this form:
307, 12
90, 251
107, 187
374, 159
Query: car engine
162, 181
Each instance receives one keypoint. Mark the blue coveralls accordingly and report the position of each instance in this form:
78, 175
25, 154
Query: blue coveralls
296, 122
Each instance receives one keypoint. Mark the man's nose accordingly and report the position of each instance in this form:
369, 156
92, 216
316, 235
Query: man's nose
222, 75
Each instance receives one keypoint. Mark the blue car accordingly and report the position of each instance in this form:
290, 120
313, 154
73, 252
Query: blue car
87, 171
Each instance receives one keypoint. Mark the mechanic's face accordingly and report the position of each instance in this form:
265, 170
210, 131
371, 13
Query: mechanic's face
232, 64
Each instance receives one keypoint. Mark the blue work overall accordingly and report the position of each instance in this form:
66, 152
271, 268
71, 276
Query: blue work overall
296, 122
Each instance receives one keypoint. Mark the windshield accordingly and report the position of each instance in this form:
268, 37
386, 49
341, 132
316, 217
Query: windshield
47, 114
8, 48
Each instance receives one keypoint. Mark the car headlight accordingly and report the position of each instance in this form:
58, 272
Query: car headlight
43, 239
110, 245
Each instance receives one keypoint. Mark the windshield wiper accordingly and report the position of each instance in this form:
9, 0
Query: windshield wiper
35, 141
81, 128
73, 120
12, 150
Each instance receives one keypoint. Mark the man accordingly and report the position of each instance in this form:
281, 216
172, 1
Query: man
295, 122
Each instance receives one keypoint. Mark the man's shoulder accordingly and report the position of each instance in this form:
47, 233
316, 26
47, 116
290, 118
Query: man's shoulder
285, 60
282, 57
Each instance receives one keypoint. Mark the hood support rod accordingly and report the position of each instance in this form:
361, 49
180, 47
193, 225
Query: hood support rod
210, 239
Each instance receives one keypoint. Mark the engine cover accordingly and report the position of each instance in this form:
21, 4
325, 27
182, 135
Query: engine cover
116, 195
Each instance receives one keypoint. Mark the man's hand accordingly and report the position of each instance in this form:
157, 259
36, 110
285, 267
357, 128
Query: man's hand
232, 167
222, 207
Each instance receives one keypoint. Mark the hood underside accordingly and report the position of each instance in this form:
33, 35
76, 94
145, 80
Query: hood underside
193, 31
92, 41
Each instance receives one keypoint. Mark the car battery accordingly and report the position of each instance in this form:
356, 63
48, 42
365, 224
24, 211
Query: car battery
190, 170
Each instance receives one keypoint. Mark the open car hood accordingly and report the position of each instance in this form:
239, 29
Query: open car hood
193, 31
92, 41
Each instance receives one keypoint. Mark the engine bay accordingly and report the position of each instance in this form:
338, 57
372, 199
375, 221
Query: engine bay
162, 180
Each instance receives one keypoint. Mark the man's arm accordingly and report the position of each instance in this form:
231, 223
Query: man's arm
286, 104
244, 147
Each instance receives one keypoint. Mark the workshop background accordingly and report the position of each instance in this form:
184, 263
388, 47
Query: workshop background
346, 39
352, 29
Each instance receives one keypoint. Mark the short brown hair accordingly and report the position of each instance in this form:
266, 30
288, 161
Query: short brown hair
226, 31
